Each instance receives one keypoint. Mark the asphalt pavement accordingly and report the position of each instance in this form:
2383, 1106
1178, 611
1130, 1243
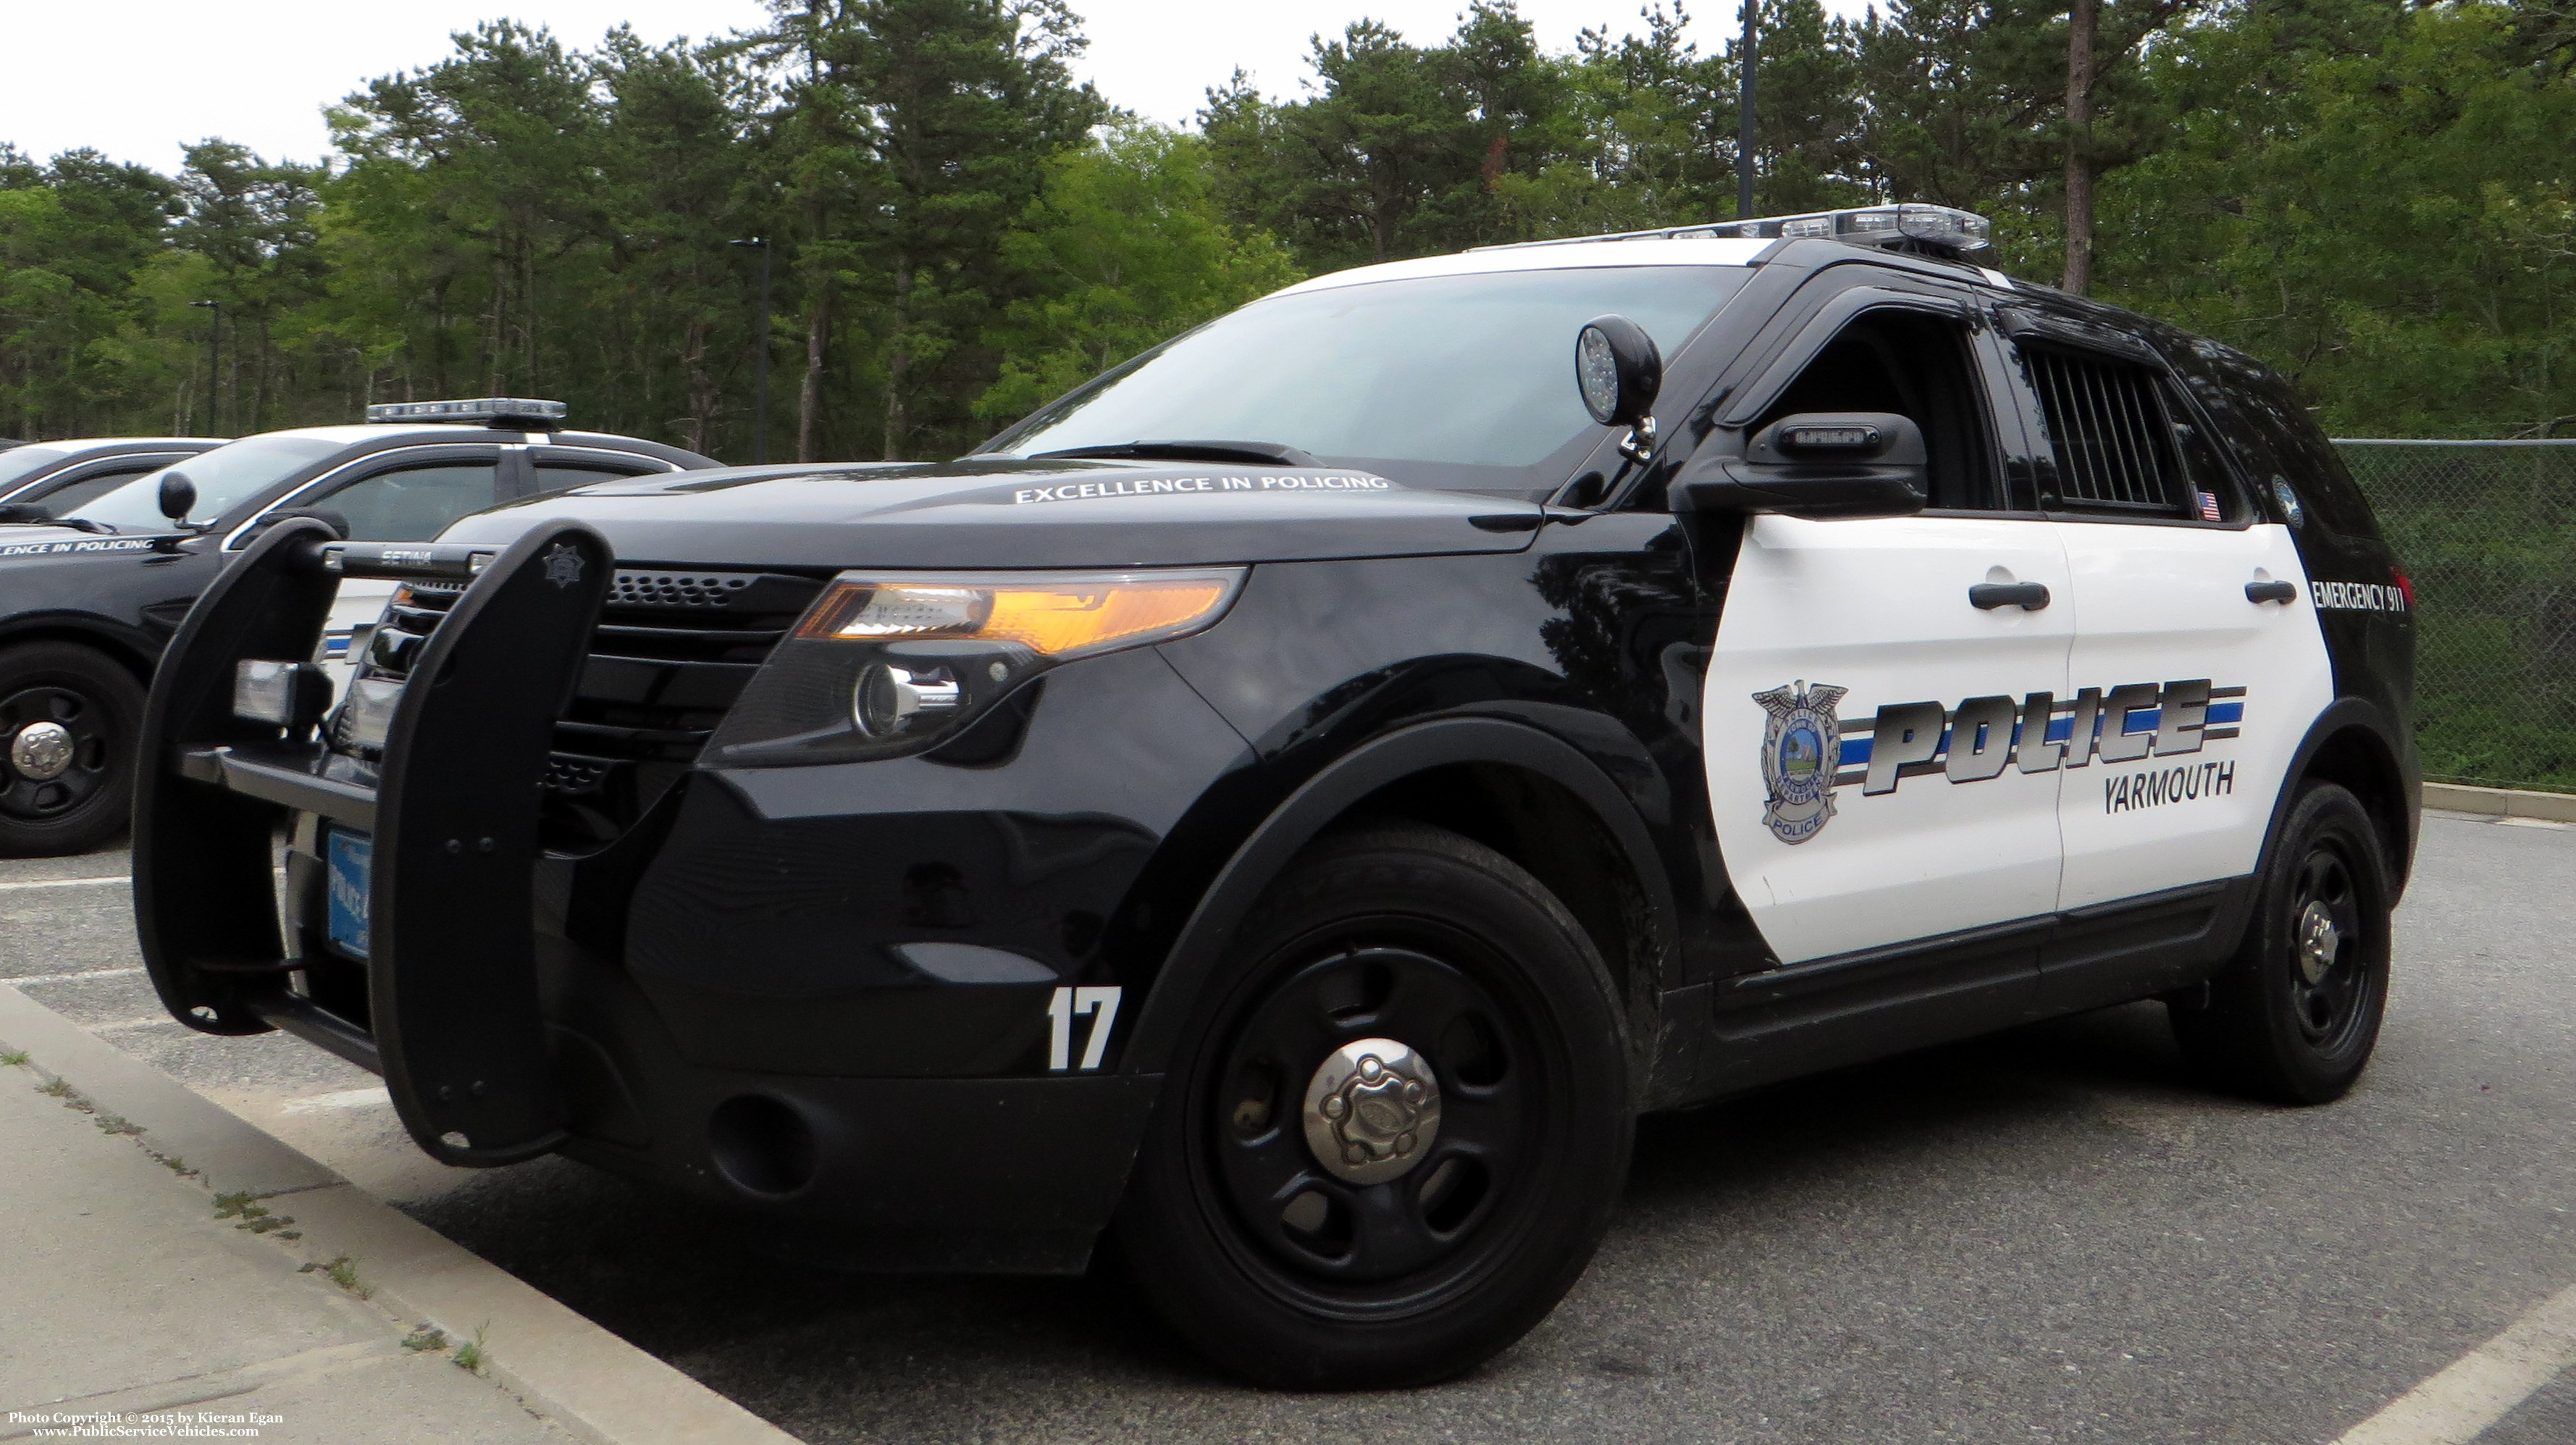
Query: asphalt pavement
2047, 1236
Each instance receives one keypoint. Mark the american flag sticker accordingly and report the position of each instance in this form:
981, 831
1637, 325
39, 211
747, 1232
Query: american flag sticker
2209, 507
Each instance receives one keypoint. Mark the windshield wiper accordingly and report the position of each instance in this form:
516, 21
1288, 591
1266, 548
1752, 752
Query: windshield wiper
28, 514
1190, 451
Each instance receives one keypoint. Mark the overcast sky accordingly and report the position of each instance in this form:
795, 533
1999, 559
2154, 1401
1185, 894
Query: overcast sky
140, 78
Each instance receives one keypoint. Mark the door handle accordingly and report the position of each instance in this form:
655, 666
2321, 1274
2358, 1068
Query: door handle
2271, 592
2028, 596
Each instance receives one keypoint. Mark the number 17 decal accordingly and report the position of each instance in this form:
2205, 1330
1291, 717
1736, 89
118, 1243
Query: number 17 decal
1063, 1008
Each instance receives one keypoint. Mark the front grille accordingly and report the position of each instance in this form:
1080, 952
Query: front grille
671, 652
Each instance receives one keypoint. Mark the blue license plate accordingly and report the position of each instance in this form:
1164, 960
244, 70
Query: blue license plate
346, 857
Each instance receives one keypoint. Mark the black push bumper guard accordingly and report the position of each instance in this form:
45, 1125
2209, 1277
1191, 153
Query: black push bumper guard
453, 1024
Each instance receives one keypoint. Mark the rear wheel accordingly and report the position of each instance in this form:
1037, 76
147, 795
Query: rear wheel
1400, 1127
2295, 1016
68, 720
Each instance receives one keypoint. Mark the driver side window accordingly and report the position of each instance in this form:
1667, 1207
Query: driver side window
1919, 366
416, 503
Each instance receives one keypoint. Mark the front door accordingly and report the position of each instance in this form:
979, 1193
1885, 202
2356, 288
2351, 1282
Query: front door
1872, 779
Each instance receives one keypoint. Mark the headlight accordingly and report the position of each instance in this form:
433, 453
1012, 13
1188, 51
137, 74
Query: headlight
890, 663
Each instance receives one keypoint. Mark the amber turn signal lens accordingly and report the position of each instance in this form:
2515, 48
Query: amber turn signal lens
1053, 615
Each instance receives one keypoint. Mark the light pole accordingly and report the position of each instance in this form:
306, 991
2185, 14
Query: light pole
214, 337
1745, 57
760, 365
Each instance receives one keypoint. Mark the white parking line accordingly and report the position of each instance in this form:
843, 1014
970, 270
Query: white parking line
68, 977
2482, 1386
143, 1023
61, 883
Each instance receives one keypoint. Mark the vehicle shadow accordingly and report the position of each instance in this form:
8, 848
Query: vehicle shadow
832, 1356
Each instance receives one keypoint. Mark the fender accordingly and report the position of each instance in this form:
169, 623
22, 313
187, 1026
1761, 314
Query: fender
2396, 753
137, 650
1204, 939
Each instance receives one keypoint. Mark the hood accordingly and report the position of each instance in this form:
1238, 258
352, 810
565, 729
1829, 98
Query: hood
1005, 512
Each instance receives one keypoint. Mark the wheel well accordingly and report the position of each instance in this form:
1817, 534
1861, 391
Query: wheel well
1545, 828
124, 656
2356, 760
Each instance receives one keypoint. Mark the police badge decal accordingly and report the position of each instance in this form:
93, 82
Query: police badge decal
1802, 745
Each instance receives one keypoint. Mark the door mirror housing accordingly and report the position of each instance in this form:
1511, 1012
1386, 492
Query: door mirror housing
178, 496
1819, 465
1618, 369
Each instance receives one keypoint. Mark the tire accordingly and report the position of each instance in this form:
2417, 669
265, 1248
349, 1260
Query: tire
2285, 1021
1246, 1237
69, 716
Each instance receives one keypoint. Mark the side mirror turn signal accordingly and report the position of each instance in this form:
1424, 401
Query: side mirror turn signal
1818, 465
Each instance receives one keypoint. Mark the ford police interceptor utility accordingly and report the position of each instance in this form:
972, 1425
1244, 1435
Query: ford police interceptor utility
106, 544
1282, 810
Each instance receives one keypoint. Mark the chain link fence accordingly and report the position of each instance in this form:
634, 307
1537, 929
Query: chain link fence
2487, 533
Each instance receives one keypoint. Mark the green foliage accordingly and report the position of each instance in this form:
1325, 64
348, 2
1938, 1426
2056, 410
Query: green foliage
1123, 249
2374, 199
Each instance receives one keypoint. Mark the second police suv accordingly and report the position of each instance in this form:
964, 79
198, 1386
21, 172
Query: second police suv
1283, 810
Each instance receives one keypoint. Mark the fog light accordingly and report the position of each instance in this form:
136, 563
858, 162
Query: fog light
283, 694
889, 698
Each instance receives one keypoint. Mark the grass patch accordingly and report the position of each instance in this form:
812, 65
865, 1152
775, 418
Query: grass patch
117, 1124
14, 1058
427, 1337
469, 1355
55, 1088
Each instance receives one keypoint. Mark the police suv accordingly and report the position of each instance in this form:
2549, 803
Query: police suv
104, 545
1282, 810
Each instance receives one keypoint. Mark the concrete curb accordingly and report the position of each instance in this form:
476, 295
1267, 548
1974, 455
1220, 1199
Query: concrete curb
561, 1365
2501, 802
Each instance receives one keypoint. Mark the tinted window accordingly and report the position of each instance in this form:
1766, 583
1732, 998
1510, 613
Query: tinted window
415, 504
1918, 367
1461, 381
2269, 434
70, 497
226, 477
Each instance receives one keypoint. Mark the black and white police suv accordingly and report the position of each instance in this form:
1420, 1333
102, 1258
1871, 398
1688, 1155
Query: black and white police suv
1285, 808
102, 551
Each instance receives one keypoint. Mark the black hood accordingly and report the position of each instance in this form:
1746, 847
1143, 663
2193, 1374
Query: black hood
1001, 512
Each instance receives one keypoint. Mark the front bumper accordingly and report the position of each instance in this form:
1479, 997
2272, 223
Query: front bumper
499, 997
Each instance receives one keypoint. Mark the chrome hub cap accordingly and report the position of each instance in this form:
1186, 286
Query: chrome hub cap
1372, 1110
2319, 941
41, 751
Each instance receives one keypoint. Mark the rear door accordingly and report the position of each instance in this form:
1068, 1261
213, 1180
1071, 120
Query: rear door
1872, 780
2191, 695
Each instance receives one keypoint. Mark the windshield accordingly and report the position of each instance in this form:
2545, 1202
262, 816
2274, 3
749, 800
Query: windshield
1463, 382
19, 463
225, 477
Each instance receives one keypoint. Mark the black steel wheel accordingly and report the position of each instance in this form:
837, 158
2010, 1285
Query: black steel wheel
68, 720
1398, 1137
2295, 1015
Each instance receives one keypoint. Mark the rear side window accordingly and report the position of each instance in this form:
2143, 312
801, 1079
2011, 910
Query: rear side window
552, 479
2123, 444
415, 504
2263, 426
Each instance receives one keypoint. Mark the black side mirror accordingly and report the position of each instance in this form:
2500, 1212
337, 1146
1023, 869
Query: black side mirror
1818, 464
178, 496
1619, 369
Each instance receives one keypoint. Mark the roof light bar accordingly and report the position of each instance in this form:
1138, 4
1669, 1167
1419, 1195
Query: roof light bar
1942, 230
477, 409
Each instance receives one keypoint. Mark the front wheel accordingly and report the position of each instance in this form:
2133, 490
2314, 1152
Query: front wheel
1396, 1134
2295, 1015
69, 716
